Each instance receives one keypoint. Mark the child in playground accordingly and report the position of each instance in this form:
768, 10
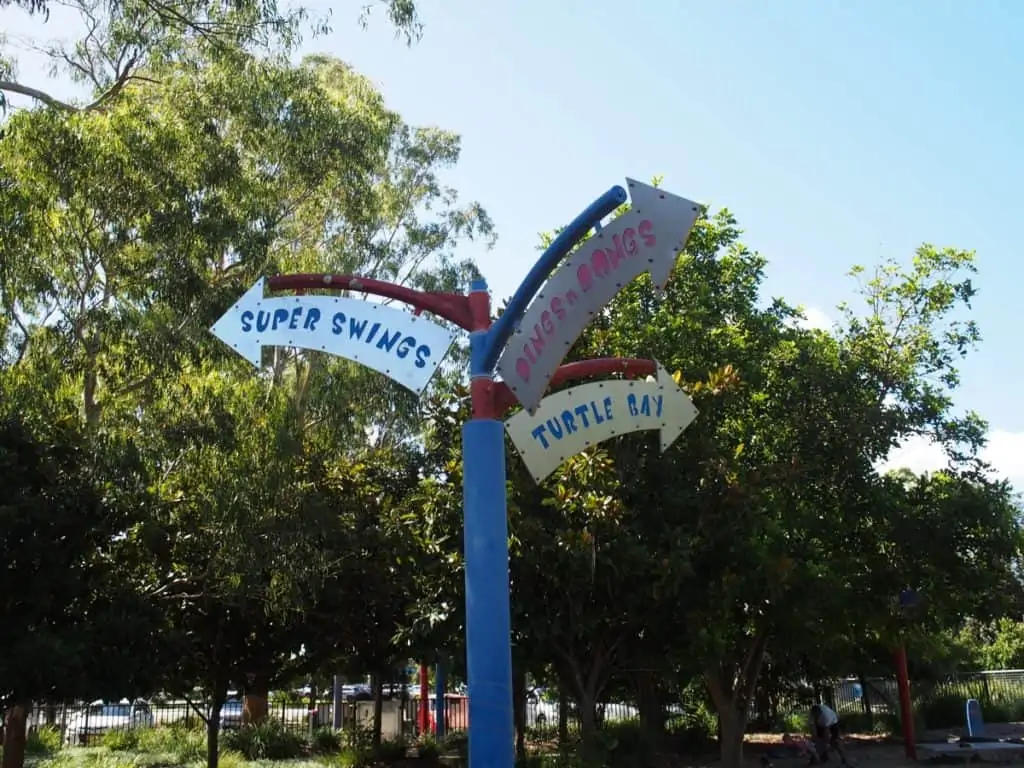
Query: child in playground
825, 727
793, 747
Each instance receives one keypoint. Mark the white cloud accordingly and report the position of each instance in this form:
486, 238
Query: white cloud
1004, 451
815, 319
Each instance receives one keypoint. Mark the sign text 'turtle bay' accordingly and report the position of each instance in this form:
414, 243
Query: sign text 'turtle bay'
570, 421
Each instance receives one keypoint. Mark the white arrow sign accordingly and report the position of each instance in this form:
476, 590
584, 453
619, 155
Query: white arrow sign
398, 344
570, 421
645, 239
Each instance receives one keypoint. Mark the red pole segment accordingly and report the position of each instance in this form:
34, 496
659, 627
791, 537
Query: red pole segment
424, 699
505, 400
906, 705
451, 306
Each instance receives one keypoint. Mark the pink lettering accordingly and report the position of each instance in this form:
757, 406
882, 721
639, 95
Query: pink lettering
629, 241
523, 369
557, 308
537, 340
616, 255
545, 319
646, 229
585, 277
599, 261
529, 353
572, 297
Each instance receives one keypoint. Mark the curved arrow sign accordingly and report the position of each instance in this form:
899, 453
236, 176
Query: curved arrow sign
646, 239
403, 347
570, 421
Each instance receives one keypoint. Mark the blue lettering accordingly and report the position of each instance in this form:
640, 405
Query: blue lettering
598, 418
262, 321
355, 328
246, 321
645, 406
581, 411
631, 404
312, 318
373, 332
607, 408
338, 323
280, 316
555, 428
388, 343
422, 353
657, 401
405, 348
293, 324
569, 421
538, 434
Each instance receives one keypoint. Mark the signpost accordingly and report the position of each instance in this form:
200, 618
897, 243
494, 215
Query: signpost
398, 344
646, 238
572, 420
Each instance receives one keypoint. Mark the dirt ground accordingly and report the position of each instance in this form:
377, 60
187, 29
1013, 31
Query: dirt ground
873, 751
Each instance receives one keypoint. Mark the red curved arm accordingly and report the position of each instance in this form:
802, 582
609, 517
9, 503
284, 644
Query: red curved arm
453, 307
632, 367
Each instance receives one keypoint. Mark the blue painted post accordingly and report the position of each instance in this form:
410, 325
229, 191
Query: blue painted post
488, 624
439, 704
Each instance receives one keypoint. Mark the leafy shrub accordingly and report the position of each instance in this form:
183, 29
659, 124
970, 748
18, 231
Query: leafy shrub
392, 749
457, 742
943, 710
268, 740
427, 748
45, 740
186, 744
325, 741
231, 759
121, 741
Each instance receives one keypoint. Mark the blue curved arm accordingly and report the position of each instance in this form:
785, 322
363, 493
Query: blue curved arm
500, 332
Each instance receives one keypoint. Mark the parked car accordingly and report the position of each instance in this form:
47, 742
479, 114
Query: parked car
100, 717
231, 714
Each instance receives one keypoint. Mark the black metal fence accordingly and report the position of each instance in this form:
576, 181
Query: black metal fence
1000, 692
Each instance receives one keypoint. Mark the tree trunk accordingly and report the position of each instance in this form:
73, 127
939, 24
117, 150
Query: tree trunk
378, 709
213, 727
652, 710
731, 726
563, 716
255, 704
519, 710
15, 729
589, 745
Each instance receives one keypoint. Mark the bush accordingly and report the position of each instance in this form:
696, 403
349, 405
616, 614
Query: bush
121, 741
392, 749
268, 740
457, 742
188, 745
44, 740
943, 710
427, 748
325, 741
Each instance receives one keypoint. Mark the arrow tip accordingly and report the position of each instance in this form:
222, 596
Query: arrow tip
229, 327
679, 408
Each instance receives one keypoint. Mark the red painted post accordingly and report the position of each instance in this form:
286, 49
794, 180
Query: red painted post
906, 705
482, 389
424, 699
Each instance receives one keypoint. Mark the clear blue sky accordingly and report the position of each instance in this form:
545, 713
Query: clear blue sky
838, 133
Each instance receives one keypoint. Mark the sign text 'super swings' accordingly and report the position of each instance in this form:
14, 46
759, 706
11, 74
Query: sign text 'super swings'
352, 328
403, 347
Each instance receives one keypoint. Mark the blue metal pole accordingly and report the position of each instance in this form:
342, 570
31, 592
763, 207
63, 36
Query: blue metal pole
488, 623
439, 704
